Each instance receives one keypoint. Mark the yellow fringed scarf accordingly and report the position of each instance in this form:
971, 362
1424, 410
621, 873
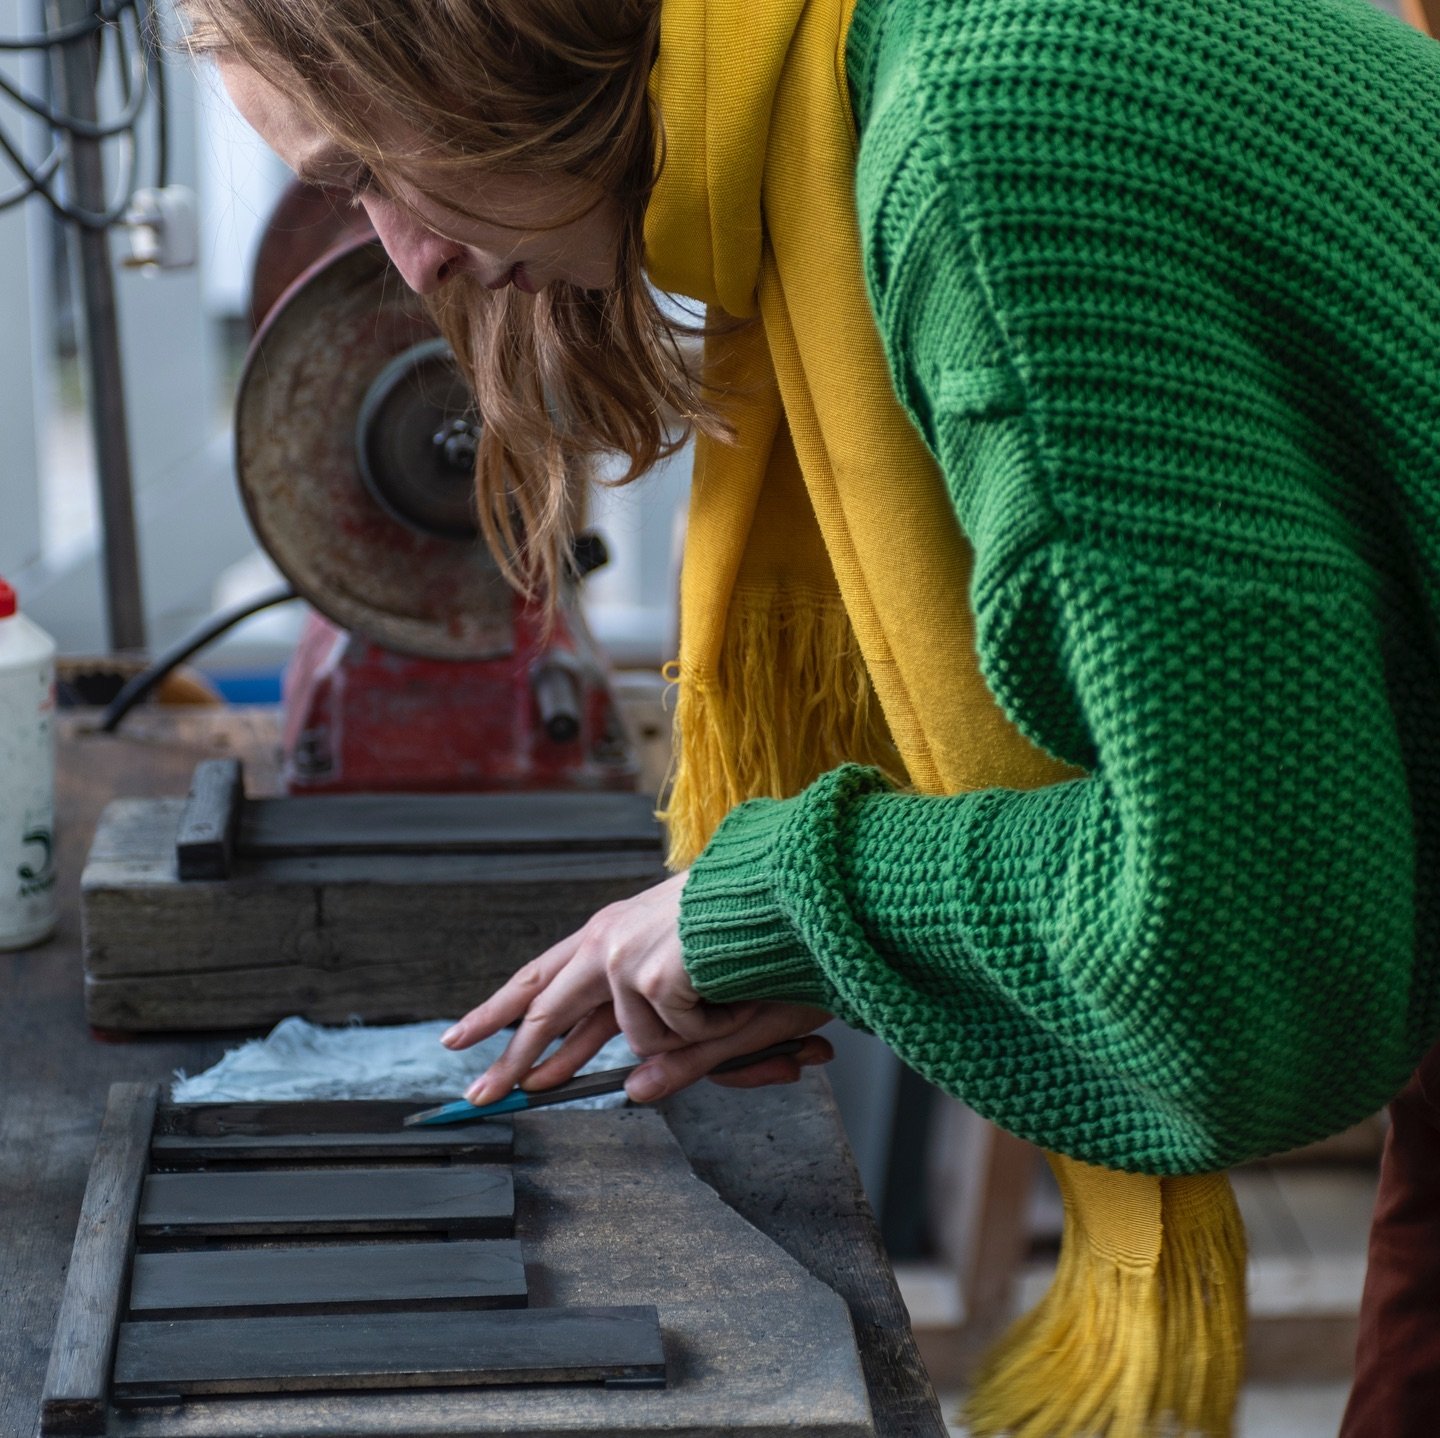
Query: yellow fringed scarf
824, 620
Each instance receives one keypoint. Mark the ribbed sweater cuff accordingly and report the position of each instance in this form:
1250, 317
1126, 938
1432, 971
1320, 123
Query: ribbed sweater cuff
736, 940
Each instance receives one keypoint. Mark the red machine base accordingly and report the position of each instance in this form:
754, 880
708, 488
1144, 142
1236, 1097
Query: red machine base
359, 718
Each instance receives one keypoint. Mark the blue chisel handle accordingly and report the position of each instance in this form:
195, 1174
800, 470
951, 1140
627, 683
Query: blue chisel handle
581, 1086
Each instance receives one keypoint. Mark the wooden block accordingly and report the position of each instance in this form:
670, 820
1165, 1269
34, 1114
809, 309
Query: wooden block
77, 1380
381, 938
471, 1199
205, 839
187, 1135
430, 824
348, 1278
406, 1350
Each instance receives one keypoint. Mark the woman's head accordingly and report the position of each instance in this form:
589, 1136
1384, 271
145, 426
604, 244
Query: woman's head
530, 230
504, 150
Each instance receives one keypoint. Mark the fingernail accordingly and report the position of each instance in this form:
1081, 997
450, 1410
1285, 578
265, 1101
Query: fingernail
644, 1084
451, 1034
478, 1091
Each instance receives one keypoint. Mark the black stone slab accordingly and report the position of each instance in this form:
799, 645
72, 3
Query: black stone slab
350, 1128
173, 1150
430, 824
371, 1277
205, 841
403, 1350
473, 1199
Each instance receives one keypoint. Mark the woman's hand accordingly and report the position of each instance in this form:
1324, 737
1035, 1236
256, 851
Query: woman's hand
622, 973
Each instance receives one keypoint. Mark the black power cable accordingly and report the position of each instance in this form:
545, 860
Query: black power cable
138, 687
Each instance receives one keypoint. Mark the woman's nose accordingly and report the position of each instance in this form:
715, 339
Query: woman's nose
425, 260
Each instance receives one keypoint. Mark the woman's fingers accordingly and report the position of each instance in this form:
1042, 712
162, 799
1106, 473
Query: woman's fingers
627, 960
645, 1031
585, 1040
653, 1022
815, 1050
771, 1023
510, 1001
698, 1021
575, 992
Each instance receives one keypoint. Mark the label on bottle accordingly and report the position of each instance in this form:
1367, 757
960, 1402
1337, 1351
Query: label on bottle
28, 890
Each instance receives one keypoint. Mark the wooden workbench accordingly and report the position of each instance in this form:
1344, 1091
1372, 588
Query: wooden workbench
778, 1156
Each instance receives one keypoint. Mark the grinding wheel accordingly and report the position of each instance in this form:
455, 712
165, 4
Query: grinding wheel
308, 222
354, 449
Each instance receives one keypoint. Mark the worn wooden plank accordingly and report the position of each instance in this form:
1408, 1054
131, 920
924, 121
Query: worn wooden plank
355, 1130
441, 986
77, 1379
381, 938
472, 1199
254, 1281
430, 824
205, 840
411, 1350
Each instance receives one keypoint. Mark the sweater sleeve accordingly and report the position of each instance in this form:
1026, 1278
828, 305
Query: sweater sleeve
1205, 949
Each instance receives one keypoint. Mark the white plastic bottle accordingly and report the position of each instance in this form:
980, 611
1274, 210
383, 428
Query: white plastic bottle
27, 778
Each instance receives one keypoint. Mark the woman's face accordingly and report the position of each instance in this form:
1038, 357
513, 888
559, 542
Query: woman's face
429, 242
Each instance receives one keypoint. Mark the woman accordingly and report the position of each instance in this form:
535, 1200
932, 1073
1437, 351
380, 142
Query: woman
1120, 392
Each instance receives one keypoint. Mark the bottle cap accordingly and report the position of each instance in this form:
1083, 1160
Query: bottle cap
7, 600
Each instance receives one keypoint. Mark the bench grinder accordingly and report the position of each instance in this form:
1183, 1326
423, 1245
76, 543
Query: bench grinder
419, 668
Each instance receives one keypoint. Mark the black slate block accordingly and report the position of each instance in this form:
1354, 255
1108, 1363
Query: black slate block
473, 1199
247, 1282
406, 1350
184, 1151
561, 821
333, 1125
205, 840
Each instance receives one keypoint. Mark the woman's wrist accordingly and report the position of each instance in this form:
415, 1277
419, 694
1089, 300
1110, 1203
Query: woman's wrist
736, 939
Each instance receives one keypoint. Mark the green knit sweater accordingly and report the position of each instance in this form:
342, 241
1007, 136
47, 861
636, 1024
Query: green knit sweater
1160, 286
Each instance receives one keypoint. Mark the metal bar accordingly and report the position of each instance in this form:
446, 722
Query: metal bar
23, 370
77, 66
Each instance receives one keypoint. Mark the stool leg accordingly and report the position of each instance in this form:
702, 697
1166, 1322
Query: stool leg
981, 1182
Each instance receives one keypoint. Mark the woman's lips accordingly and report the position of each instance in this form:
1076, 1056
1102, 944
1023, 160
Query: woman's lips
516, 276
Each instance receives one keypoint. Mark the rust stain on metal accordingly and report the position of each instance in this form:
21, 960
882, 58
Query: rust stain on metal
307, 375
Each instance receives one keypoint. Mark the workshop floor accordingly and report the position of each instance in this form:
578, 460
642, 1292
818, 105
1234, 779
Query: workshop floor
1268, 1410
1307, 1228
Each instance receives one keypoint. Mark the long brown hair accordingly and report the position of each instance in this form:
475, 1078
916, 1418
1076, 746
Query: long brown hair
552, 87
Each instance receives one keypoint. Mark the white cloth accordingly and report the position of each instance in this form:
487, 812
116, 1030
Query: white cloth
300, 1060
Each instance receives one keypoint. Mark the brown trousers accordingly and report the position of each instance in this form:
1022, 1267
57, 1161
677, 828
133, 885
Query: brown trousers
1397, 1358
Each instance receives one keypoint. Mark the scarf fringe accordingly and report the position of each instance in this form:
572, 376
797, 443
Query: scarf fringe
792, 699
1124, 1349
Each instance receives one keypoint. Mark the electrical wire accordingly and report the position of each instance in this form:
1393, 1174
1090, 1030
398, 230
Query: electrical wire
138, 687
77, 30
35, 180
155, 69
125, 38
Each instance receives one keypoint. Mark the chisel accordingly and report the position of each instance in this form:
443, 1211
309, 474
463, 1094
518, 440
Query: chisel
582, 1086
